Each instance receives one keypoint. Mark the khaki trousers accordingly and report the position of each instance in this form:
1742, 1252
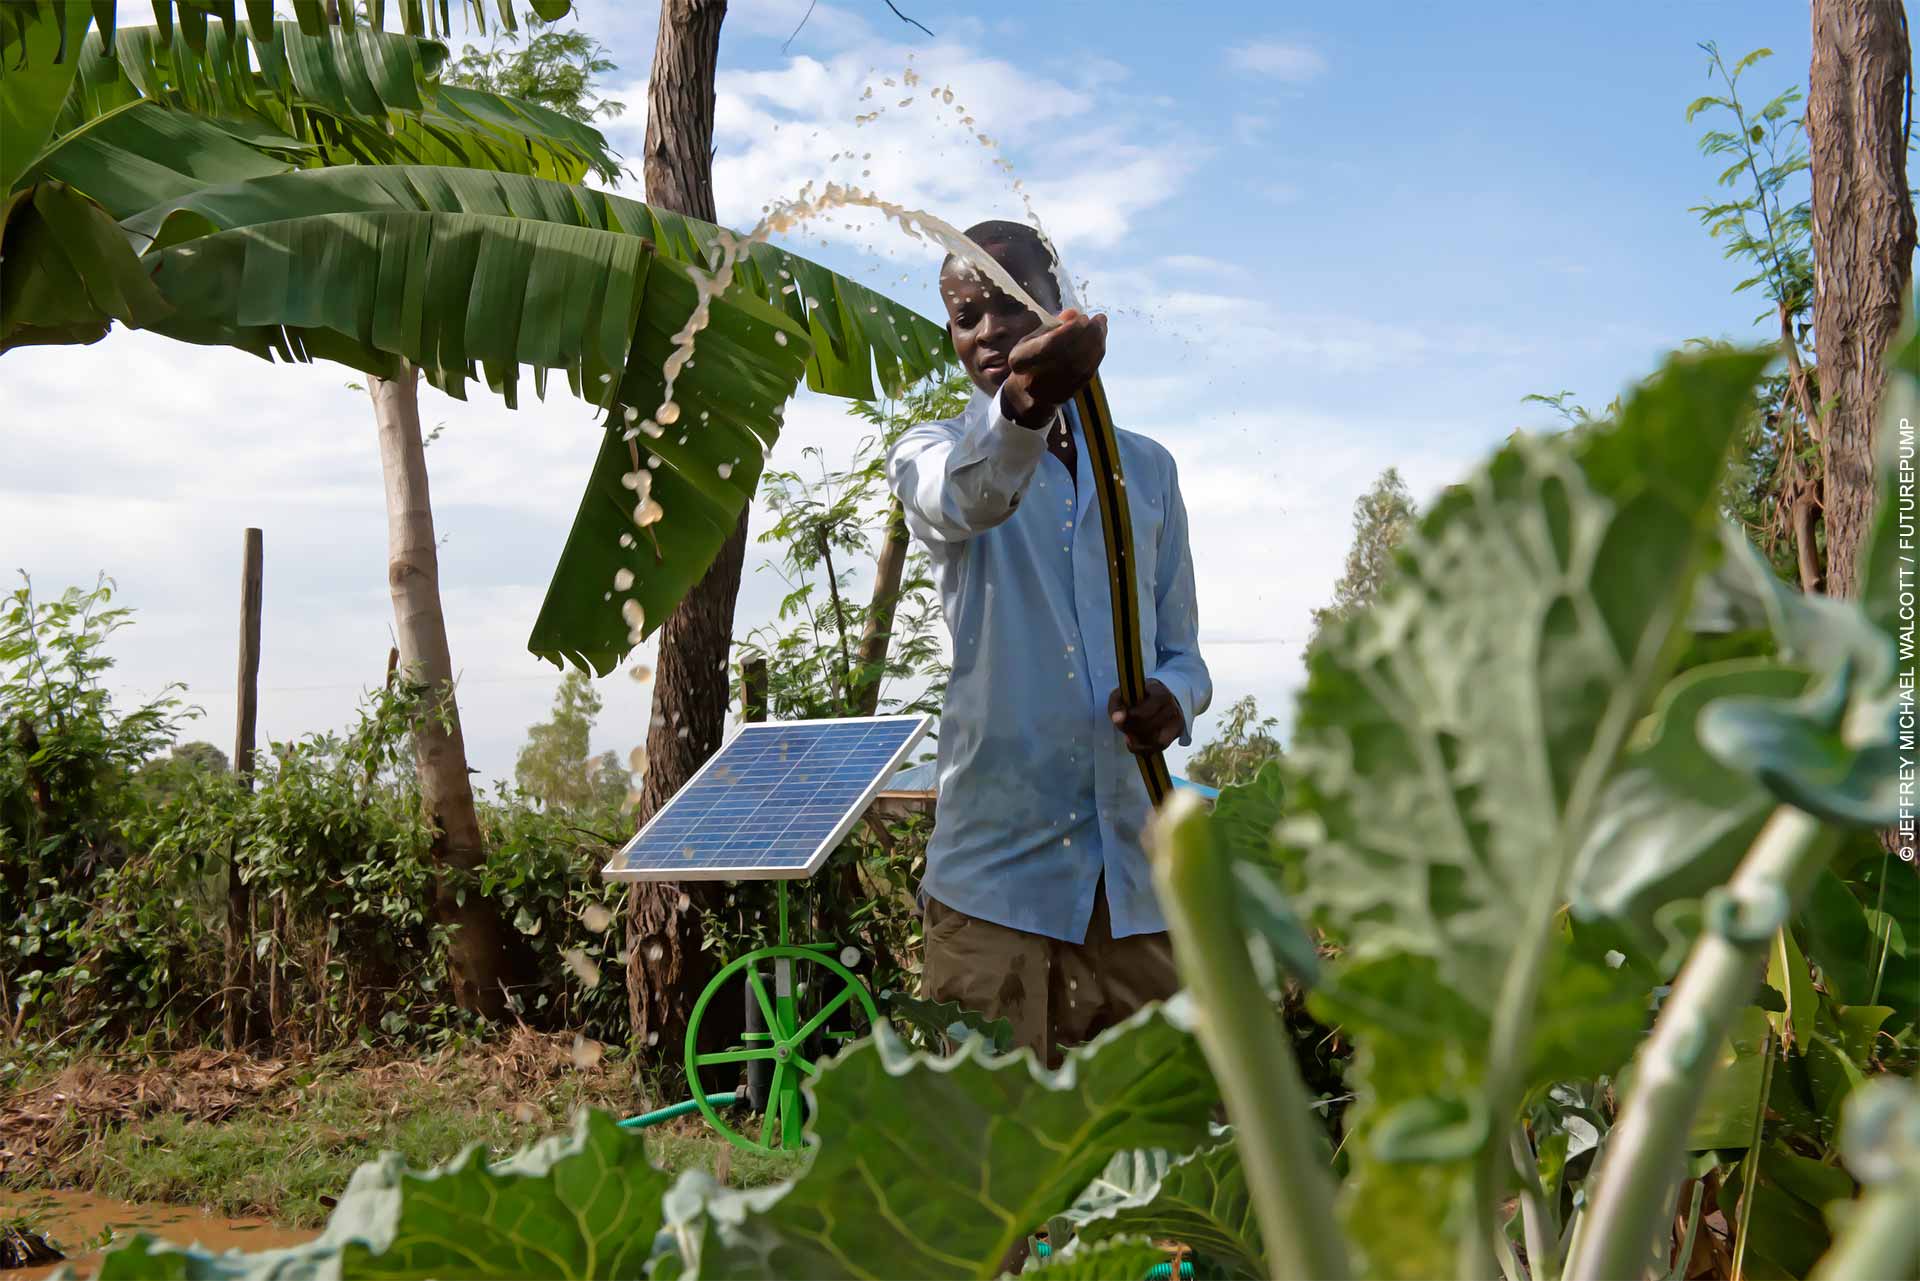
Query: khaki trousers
1056, 994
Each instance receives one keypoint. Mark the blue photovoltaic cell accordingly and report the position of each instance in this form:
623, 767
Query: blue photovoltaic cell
773, 803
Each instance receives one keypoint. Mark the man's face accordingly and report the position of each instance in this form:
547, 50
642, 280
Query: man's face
986, 324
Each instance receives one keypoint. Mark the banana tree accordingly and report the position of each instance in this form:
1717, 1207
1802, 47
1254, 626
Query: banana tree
149, 113
209, 229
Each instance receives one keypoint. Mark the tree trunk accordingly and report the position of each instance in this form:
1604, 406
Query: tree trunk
878, 634
479, 946
665, 963
1863, 239
237, 987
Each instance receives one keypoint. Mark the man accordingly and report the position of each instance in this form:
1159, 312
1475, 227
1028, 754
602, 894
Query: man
1039, 907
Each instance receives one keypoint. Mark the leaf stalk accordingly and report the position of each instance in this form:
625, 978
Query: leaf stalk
1280, 1148
1671, 1073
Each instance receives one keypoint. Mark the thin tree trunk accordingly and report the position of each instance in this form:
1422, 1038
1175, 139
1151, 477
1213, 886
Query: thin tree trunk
878, 634
479, 947
1863, 240
665, 963
237, 983
1798, 491
839, 625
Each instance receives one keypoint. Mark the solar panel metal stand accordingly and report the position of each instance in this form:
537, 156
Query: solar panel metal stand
810, 986
773, 804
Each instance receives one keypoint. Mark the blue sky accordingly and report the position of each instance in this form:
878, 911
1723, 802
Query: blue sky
1335, 238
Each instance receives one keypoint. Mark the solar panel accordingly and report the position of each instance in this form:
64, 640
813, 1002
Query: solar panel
772, 803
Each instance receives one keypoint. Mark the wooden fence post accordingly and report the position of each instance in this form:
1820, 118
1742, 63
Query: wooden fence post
238, 981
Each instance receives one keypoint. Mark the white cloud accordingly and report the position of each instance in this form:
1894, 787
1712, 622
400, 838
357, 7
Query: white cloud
1250, 130
779, 128
1293, 63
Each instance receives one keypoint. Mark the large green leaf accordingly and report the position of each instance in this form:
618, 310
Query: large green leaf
1245, 815
862, 342
1451, 751
460, 293
39, 57
935, 1168
141, 153
585, 1204
66, 271
525, 270
944, 1024
355, 95
1674, 821
190, 17
1878, 1236
1243, 820
1199, 1200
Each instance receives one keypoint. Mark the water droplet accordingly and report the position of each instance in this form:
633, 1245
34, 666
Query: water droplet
637, 760
622, 579
670, 412
640, 672
586, 1053
725, 470
654, 950
583, 966
849, 956
780, 338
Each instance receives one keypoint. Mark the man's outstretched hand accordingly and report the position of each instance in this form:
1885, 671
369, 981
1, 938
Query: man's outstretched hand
1048, 366
1153, 724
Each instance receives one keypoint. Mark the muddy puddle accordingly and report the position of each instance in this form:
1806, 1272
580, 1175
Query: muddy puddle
77, 1222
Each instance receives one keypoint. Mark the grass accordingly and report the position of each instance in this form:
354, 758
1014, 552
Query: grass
286, 1152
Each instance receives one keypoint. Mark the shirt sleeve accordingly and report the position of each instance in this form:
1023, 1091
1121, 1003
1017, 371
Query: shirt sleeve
1177, 616
958, 479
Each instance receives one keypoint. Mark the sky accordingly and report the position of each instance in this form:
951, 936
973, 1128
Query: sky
1331, 239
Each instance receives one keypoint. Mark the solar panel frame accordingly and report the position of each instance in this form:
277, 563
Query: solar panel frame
618, 868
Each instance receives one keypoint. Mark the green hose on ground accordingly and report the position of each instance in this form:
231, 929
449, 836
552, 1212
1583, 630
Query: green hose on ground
658, 1115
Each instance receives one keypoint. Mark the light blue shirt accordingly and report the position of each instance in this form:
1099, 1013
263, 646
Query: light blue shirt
1038, 795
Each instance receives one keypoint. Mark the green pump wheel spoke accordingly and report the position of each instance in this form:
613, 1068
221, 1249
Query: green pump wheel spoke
760, 995
812, 1025
768, 1121
733, 1056
812, 1068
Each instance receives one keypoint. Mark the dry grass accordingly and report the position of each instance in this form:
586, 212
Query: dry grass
279, 1138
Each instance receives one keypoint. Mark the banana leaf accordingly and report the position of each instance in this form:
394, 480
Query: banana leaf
141, 152
851, 340
469, 274
39, 47
417, 17
66, 271
354, 95
862, 342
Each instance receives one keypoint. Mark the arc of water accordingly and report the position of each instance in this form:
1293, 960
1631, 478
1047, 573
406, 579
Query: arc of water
1095, 417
